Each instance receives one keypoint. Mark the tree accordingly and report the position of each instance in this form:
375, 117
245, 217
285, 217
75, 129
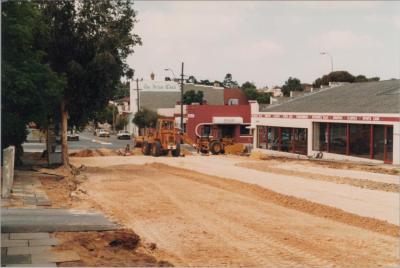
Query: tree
205, 82
342, 76
30, 89
89, 43
192, 96
104, 116
292, 84
122, 121
228, 81
122, 90
250, 90
145, 118
191, 80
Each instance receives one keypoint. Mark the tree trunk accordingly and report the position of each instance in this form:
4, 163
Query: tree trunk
64, 128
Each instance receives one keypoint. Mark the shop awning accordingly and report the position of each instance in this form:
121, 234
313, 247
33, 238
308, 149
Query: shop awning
227, 120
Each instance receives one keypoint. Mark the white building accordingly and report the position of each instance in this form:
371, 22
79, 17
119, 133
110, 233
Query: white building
359, 121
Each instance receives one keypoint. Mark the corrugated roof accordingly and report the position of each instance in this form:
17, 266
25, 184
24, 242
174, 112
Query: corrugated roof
367, 97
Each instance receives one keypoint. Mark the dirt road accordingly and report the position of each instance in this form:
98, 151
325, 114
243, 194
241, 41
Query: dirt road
361, 201
199, 220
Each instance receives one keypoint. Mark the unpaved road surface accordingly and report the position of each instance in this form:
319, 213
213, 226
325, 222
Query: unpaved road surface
361, 201
200, 220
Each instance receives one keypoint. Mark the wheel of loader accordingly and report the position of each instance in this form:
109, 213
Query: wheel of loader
215, 147
177, 151
146, 148
156, 149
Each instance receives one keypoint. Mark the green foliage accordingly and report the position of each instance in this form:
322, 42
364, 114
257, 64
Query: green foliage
192, 96
228, 81
89, 43
205, 82
145, 118
30, 89
342, 76
251, 93
121, 123
122, 91
292, 84
192, 80
105, 115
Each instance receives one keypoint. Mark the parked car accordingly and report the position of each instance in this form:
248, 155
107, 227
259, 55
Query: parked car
103, 133
72, 136
123, 135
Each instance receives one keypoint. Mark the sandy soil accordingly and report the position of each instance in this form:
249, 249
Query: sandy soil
120, 248
271, 166
200, 220
376, 168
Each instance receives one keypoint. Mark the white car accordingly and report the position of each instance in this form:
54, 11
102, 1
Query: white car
72, 135
123, 135
103, 133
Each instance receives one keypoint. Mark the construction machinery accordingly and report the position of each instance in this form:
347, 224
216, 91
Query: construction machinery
163, 139
206, 144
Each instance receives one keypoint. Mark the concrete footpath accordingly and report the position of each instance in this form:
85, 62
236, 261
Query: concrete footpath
27, 224
364, 202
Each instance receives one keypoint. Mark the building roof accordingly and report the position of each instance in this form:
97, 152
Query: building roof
367, 97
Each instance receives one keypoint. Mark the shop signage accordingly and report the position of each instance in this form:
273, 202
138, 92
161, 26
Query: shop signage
159, 86
329, 117
227, 120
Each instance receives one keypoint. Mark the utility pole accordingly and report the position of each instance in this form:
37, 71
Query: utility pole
182, 99
137, 94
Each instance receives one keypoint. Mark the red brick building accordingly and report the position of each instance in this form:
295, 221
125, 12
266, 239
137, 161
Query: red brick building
219, 121
235, 96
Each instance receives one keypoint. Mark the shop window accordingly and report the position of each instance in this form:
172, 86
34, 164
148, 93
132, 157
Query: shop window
244, 130
262, 137
300, 141
359, 140
273, 138
337, 138
206, 130
320, 142
286, 140
227, 131
389, 144
379, 142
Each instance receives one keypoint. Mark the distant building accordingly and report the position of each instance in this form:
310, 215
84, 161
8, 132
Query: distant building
275, 91
358, 121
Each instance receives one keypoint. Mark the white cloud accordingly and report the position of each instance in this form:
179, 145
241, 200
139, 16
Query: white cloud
344, 39
396, 20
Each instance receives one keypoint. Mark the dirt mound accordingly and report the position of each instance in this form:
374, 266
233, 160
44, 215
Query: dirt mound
236, 148
120, 248
124, 241
96, 152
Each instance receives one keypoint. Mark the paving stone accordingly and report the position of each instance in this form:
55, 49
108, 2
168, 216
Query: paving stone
29, 201
43, 242
14, 243
5, 236
27, 250
33, 265
61, 256
29, 236
43, 202
16, 259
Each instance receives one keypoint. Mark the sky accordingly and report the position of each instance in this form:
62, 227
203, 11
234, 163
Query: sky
265, 42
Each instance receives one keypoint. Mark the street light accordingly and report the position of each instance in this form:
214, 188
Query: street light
181, 84
170, 70
327, 53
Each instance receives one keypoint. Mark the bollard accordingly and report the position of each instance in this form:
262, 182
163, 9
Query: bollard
8, 171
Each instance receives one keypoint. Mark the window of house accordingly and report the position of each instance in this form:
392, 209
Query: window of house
233, 102
244, 130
